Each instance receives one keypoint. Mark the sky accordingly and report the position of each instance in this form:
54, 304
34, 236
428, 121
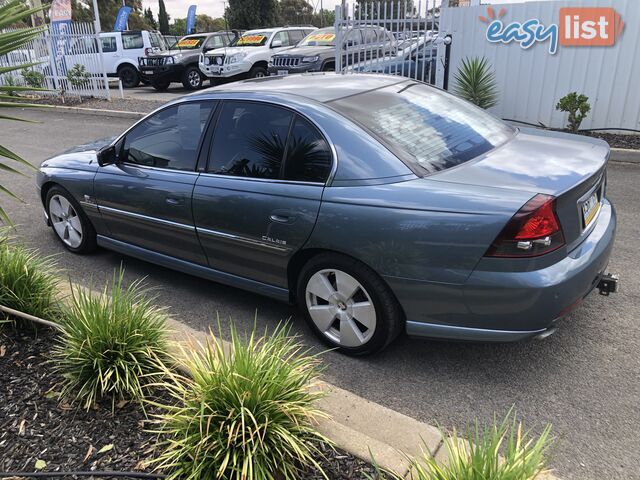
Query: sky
215, 8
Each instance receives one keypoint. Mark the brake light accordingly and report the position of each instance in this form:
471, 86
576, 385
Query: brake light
533, 231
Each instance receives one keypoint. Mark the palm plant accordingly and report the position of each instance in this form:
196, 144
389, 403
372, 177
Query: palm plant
476, 82
11, 12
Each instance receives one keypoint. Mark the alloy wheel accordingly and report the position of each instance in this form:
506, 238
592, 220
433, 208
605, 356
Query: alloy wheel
66, 221
194, 79
341, 308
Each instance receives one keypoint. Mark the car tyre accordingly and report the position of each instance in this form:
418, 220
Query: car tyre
348, 305
192, 78
258, 72
161, 86
128, 76
69, 222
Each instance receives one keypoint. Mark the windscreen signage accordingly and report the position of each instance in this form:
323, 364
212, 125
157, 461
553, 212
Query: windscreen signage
577, 27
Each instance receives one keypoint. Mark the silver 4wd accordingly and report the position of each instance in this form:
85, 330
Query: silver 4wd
249, 55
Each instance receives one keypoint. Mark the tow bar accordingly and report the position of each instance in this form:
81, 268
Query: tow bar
608, 284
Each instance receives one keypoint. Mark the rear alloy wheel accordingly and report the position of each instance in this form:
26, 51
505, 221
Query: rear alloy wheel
258, 72
160, 86
128, 76
192, 78
348, 305
69, 222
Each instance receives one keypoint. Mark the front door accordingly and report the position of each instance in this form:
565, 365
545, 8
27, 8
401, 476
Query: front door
259, 200
145, 198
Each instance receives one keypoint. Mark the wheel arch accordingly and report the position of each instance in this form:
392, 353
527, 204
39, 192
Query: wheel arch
126, 62
260, 63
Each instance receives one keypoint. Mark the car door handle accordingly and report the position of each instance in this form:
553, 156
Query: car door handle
280, 218
174, 200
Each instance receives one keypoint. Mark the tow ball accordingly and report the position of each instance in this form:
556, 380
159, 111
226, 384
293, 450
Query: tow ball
608, 284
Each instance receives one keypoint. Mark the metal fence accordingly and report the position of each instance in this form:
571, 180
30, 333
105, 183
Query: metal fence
57, 53
395, 37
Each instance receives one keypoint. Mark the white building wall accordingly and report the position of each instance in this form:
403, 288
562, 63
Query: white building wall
532, 81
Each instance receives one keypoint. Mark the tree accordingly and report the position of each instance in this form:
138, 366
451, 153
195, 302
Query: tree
248, 14
324, 18
163, 18
108, 10
295, 12
10, 11
178, 27
80, 11
148, 15
391, 9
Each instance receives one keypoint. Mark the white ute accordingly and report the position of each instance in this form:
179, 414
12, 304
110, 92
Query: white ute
250, 54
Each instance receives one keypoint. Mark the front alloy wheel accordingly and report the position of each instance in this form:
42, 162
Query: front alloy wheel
65, 221
192, 79
341, 308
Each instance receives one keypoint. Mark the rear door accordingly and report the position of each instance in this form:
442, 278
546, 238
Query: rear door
109, 52
145, 198
259, 198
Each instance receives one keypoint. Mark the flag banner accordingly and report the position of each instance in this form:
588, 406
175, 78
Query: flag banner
191, 19
121, 19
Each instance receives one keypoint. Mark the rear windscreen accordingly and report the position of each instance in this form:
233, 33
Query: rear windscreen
429, 129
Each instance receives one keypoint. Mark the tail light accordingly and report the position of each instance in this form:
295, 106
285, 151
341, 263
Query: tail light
533, 231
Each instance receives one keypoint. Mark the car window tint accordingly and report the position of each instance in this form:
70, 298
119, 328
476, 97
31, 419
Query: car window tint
132, 41
308, 154
214, 42
170, 138
249, 140
281, 36
109, 44
295, 36
428, 129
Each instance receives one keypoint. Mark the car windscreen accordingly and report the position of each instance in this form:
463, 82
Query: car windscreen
430, 130
255, 39
190, 43
323, 38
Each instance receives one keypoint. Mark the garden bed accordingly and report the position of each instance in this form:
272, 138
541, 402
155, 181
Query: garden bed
35, 425
617, 140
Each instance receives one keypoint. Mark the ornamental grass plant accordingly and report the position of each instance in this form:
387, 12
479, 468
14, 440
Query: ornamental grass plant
111, 345
245, 413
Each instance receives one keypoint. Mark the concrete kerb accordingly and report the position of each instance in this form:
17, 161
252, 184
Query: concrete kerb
621, 155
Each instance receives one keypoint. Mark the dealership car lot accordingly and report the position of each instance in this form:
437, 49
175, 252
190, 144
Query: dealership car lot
583, 379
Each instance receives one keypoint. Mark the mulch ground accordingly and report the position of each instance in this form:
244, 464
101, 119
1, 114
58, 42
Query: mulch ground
616, 140
35, 425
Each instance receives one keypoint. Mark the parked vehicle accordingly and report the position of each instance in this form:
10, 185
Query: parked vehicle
317, 52
415, 58
378, 204
180, 64
120, 53
249, 56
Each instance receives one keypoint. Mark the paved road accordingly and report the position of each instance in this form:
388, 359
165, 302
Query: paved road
585, 379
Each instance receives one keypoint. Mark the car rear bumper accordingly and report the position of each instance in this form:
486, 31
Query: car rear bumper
506, 305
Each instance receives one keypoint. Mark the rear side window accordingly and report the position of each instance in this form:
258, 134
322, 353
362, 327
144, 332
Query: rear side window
170, 138
250, 140
430, 130
132, 40
309, 157
109, 44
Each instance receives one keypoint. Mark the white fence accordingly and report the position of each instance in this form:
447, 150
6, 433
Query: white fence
531, 80
55, 53
390, 36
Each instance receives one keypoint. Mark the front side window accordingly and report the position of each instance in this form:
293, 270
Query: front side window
309, 157
132, 41
109, 44
168, 139
295, 36
428, 129
214, 42
250, 140
281, 37
157, 41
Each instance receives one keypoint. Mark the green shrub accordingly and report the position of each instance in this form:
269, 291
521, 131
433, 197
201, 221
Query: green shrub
477, 457
242, 415
33, 78
476, 82
29, 282
78, 76
577, 106
10, 81
111, 345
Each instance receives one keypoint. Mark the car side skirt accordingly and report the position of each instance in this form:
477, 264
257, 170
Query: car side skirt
201, 271
451, 332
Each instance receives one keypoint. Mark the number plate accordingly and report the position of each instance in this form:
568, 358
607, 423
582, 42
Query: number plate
215, 69
148, 72
283, 72
590, 208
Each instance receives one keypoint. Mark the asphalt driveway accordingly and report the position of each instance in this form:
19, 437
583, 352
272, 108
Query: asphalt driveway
585, 379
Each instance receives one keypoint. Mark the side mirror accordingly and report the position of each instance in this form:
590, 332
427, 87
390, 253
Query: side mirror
107, 156
276, 44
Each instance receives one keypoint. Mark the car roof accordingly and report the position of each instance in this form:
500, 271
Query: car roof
319, 87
